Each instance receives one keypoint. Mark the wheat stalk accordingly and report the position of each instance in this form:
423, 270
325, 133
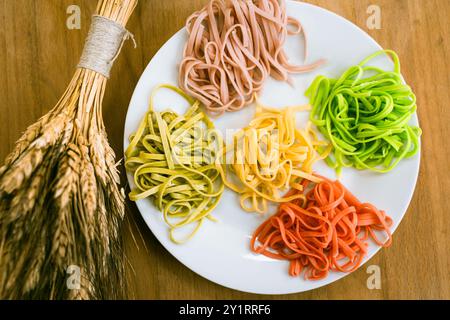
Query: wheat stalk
60, 202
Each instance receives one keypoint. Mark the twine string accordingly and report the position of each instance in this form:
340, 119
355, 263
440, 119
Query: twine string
103, 45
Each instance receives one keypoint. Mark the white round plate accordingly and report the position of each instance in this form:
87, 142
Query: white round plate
220, 250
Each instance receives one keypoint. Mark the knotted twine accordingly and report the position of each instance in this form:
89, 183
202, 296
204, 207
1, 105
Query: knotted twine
103, 45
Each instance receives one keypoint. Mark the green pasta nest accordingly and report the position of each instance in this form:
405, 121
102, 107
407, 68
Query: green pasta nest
365, 114
172, 158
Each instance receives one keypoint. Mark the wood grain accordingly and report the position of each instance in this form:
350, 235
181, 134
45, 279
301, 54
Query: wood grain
38, 55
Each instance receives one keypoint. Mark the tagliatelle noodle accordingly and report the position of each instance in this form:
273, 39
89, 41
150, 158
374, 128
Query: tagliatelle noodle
270, 156
365, 114
327, 231
233, 46
172, 158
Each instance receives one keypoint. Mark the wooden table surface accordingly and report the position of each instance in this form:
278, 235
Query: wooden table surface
38, 54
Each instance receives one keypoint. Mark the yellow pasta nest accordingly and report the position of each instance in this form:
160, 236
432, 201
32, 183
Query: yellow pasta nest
270, 156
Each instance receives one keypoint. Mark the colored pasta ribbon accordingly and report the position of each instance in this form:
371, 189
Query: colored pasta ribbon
365, 114
270, 156
325, 231
173, 161
233, 47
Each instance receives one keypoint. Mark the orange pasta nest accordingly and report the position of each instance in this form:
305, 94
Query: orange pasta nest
233, 46
328, 231
270, 156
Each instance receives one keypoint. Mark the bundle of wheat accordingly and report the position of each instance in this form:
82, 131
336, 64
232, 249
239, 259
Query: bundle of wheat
60, 201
